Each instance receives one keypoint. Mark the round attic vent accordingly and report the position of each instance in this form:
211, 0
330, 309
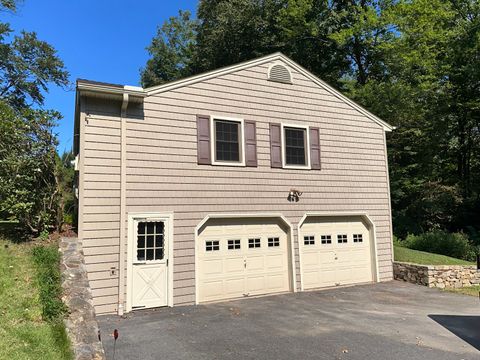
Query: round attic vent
279, 73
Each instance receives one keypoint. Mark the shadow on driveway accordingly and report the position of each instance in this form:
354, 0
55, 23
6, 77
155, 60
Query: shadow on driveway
466, 328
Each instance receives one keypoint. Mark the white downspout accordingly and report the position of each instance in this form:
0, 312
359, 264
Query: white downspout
123, 206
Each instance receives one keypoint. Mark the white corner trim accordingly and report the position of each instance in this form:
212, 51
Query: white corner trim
241, 141
362, 214
166, 217
284, 147
251, 216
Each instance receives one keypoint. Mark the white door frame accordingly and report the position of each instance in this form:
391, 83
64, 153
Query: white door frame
168, 219
333, 214
292, 281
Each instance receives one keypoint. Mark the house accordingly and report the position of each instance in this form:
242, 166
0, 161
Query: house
253, 179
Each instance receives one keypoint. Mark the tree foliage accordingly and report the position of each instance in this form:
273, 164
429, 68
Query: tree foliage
28, 189
30, 174
27, 67
171, 51
414, 63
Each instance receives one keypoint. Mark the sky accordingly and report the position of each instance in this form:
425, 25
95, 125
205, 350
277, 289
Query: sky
102, 40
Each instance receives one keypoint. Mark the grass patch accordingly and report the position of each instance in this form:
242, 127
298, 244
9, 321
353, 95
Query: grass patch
424, 258
26, 332
47, 261
472, 290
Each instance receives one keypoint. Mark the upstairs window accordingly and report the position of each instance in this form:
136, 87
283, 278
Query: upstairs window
295, 146
227, 141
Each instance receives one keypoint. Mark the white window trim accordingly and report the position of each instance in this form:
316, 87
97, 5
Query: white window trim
307, 147
213, 141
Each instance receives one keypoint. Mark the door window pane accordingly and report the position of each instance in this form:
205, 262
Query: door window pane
150, 241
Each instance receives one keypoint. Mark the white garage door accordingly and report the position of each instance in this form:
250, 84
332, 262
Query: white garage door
242, 259
335, 252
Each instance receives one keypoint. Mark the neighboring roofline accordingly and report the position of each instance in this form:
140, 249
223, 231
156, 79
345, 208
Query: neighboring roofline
265, 59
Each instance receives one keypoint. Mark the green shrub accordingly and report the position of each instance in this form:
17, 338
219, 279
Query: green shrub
44, 235
47, 262
397, 241
439, 242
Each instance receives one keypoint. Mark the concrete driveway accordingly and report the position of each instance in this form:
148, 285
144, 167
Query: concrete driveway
392, 320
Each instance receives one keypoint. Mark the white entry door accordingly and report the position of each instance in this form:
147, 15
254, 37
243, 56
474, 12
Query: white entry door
149, 280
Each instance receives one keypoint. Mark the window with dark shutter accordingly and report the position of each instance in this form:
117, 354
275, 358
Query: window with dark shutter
227, 140
295, 146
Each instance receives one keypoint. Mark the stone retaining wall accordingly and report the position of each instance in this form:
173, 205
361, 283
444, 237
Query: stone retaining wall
81, 324
439, 276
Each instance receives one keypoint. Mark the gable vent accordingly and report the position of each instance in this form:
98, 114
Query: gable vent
280, 73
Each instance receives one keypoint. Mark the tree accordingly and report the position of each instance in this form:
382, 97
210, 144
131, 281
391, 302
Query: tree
8, 5
413, 63
29, 187
27, 67
28, 190
171, 51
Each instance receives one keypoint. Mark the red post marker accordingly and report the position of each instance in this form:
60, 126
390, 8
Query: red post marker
115, 336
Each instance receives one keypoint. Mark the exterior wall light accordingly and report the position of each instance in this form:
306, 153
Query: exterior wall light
294, 195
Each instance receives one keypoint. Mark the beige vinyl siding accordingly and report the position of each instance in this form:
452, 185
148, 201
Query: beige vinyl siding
100, 228
163, 175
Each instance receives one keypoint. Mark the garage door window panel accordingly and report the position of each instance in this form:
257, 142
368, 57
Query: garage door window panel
326, 239
309, 240
342, 239
357, 238
254, 243
233, 244
213, 245
273, 242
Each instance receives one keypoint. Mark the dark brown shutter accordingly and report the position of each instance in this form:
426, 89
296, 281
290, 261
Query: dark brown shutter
315, 148
203, 140
275, 146
250, 143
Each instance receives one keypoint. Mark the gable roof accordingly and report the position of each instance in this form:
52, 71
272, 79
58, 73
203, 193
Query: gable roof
140, 93
259, 61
